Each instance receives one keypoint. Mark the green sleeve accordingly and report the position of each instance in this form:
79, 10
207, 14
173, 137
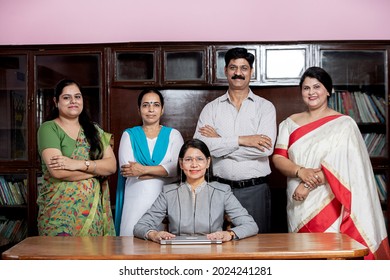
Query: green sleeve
48, 136
51, 135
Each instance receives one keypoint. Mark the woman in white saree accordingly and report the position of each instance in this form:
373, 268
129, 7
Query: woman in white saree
330, 183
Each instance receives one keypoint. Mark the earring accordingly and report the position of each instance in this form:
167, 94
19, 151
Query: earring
181, 176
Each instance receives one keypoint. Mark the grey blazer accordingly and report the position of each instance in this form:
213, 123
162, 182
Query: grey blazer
202, 215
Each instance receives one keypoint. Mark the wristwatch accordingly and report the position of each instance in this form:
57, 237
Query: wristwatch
87, 164
232, 234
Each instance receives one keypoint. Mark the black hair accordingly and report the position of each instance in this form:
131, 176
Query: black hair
150, 90
90, 130
236, 53
321, 75
201, 146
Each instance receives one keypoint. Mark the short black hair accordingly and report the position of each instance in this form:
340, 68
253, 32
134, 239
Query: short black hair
236, 53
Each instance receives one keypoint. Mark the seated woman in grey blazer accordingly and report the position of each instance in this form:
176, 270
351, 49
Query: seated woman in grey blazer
196, 206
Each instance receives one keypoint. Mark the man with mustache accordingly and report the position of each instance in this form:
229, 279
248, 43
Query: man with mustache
239, 128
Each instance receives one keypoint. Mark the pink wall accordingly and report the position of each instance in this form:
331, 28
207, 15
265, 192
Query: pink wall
108, 21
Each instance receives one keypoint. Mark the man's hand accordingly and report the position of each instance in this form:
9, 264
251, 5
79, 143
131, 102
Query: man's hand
208, 131
259, 141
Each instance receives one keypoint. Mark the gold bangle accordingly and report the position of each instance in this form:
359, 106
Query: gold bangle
297, 172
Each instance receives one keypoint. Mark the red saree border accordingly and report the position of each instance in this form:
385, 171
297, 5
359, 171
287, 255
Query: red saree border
324, 219
305, 129
302, 131
344, 197
281, 152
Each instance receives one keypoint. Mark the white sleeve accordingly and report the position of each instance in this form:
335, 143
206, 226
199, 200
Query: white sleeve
125, 152
218, 146
175, 143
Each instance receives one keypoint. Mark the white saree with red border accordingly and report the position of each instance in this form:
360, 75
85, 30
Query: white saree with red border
348, 202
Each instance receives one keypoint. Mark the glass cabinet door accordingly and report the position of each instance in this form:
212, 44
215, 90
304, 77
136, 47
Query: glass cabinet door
284, 64
135, 67
355, 68
185, 66
84, 68
13, 107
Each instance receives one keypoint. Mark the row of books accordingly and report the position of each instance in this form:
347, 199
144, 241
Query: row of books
361, 106
381, 186
375, 143
12, 231
13, 192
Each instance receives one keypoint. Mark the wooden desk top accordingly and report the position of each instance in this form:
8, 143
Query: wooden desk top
262, 246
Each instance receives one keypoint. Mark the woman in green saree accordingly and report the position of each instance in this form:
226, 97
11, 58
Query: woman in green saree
76, 160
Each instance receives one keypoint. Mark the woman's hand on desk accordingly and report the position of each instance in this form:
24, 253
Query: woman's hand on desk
156, 236
221, 235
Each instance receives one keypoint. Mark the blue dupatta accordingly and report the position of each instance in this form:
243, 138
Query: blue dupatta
141, 152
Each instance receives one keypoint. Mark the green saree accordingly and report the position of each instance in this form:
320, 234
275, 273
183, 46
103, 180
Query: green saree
79, 208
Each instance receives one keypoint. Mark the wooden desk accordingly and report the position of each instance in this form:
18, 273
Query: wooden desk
262, 246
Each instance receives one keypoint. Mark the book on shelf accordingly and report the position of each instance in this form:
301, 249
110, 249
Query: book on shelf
371, 110
379, 149
23, 189
375, 143
380, 103
381, 187
361, 106
11, 193
7, 228
16, 195
19, 191
358, 118
347, 104
340, 106
368, 138
3, 219
375, 108
2, 197
13, 230
6, 191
